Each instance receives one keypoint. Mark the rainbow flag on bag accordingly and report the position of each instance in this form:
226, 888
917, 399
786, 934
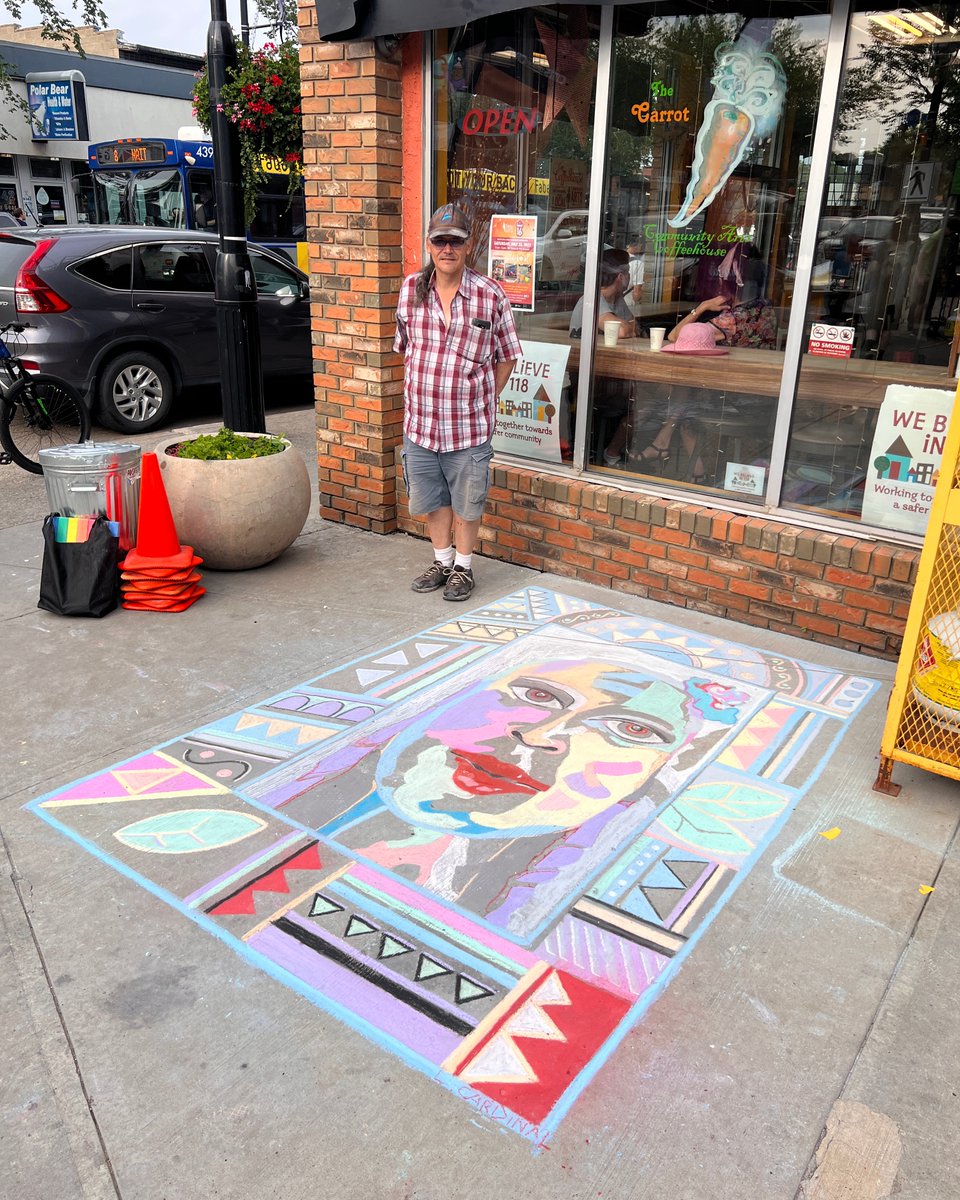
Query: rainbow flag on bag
77, 529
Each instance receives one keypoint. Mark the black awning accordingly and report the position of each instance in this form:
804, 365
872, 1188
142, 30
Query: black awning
356, 20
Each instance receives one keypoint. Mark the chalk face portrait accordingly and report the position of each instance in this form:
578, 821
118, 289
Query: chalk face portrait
539, 749
531, 770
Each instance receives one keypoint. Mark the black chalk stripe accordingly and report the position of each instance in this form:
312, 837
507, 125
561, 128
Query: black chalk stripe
364, 970
625, 925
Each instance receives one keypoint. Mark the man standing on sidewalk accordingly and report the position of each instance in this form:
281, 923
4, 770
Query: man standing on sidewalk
459, 343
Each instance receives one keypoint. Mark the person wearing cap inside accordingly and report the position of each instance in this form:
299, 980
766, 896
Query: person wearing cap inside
612, 306
456, 332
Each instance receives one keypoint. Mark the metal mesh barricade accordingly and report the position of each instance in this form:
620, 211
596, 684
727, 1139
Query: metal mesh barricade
923, 720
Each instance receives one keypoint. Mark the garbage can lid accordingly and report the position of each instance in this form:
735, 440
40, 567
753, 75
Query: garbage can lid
85, 455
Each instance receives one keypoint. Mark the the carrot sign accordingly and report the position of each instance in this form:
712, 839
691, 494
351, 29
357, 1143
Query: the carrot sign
749, 87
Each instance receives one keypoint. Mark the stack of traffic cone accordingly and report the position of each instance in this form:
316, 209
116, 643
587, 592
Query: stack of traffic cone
158, 574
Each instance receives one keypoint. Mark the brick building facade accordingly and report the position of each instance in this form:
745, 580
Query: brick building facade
365, 213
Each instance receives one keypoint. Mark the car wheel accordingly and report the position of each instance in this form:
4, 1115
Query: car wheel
135, 392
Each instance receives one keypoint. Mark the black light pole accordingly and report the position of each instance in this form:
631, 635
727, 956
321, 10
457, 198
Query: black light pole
236, 290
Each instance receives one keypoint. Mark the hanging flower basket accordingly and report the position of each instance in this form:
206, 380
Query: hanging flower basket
262, 98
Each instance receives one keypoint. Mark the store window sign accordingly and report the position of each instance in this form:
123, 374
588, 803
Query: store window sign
498, 122
749, 88
512, 257
831, 341
656, 113
905, 458
646, 112
686, 243
530, 409
58, 109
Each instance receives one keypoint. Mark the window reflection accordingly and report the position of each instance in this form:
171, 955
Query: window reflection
514, 101
712, 117
885, 281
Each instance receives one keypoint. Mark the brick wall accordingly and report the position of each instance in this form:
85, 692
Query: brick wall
846, 591
353, 173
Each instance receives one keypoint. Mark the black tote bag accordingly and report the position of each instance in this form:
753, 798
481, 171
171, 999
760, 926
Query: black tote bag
80, 579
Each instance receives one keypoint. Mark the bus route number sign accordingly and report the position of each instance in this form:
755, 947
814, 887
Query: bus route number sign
121, 154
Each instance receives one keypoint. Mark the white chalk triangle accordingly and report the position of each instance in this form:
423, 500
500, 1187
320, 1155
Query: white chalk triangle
425, 649
397, 659
365, 676
531, 1021
499, 1062
551, 991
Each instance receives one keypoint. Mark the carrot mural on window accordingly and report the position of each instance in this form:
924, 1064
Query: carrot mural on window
749, 88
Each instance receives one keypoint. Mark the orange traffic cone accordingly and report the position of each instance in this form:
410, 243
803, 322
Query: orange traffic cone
157, 541
158, 573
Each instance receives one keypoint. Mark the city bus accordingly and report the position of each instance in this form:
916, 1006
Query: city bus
168, 182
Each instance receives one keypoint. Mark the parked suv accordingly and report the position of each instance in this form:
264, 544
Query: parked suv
864, 233
127, 315
562, 248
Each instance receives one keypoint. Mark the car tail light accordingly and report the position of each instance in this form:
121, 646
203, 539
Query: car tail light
31, 293
28, 365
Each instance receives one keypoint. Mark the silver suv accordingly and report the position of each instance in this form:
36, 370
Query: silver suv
127, 315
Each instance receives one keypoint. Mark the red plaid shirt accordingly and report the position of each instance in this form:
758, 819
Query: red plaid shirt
449, 390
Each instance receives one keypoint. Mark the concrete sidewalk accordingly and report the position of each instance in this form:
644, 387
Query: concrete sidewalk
808, 1047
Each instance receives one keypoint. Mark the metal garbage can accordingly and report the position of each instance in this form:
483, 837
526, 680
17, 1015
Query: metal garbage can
95, 478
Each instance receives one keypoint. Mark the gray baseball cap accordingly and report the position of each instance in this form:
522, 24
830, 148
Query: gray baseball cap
450, 219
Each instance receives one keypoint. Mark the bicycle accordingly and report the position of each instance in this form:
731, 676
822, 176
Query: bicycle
36, 411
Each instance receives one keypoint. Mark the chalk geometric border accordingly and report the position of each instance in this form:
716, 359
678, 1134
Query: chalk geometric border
515, 1023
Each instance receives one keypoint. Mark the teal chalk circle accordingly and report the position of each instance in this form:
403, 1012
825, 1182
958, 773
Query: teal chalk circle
189, 831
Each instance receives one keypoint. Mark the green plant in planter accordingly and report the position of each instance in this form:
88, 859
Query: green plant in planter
225, 444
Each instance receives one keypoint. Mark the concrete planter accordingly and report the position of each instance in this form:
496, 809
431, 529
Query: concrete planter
237, 513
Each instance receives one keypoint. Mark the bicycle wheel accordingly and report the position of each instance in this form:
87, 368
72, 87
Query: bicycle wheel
38, 413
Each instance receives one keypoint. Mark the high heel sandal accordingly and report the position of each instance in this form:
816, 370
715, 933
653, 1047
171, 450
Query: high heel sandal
661, 455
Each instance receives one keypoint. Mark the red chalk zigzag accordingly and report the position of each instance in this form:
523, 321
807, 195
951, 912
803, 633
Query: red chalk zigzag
524, 1056
242, 903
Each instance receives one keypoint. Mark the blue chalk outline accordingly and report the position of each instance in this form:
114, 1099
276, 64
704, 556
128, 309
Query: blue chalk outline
540, 1134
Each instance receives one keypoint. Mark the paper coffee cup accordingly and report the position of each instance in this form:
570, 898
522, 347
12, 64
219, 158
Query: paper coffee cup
611, 332
657, 334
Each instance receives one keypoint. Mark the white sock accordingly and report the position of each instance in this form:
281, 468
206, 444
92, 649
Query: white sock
462, 560
444, 556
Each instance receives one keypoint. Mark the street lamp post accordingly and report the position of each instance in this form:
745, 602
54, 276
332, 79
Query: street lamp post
238, 328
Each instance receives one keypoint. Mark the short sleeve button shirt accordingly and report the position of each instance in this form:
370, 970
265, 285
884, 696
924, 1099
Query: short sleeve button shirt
450, 392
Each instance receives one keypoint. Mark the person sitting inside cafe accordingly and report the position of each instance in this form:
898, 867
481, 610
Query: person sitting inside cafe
612, 306
739, 315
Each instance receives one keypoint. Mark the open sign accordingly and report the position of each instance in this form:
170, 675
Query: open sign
497, 122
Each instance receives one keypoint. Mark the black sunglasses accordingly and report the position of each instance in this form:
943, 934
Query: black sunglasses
448, 241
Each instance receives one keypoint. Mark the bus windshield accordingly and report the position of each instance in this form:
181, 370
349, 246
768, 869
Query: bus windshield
140, 198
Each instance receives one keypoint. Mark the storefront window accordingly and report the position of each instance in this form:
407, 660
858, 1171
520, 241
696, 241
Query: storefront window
881, 334
820, 352
51, 205
45, 168
514, 101
712, 116
82, 184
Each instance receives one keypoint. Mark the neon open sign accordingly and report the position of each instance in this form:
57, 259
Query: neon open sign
498, 122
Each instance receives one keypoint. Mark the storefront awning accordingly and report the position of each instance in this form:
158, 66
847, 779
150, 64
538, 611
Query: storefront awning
355, 20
